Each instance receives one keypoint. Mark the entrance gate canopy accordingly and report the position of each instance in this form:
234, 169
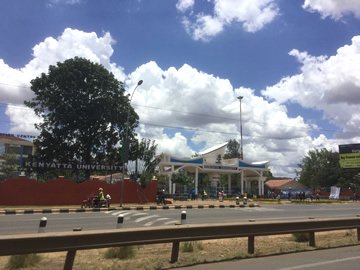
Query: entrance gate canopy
212, 163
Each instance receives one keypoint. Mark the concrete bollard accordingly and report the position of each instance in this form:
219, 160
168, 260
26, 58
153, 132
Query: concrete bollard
183, 217
237, 201
42, 225
120, 221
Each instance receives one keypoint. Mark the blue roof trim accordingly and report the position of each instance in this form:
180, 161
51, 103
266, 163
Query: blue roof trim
260, 166
191, 161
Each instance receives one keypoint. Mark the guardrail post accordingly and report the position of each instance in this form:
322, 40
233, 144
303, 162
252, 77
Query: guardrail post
312, 239
69, 261
183, 217
175, 251
251, 244
120, 221
42, 225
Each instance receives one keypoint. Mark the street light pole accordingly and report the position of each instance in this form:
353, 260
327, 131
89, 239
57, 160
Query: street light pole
126, 146
241, 135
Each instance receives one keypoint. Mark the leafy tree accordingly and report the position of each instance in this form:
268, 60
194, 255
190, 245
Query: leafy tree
350, 178
10, 165
144, 151
84, 112
232, 150
320, 168
181, 178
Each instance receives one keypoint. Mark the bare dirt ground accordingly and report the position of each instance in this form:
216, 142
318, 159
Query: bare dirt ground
155, 257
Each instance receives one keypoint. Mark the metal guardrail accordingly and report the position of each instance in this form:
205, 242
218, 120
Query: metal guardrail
80, 240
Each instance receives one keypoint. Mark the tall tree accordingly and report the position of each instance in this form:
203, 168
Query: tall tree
143, 152
84, 112
232, 149
9, 167
320, 168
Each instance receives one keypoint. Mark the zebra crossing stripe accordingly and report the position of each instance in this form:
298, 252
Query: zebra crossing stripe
145, 218
152, 222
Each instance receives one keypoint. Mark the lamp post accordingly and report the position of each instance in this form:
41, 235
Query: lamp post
241, 135
126, 146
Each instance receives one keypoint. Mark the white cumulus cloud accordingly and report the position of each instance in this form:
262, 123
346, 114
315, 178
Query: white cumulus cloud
335, 9
328, 84
253, 15
180, 107
15, 86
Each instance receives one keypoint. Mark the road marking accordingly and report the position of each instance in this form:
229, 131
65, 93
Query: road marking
124, 213
157, 220
171, 222
139, 214
145, 218
310, 265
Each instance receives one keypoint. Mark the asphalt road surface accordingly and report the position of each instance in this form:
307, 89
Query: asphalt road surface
346, 258
58, 222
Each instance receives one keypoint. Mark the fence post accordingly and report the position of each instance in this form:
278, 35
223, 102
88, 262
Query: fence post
251, 244
69, 261
312, 239
175, 251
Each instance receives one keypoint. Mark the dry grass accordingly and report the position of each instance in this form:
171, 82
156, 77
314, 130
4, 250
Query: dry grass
152, 257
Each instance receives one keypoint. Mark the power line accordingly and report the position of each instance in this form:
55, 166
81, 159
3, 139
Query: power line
23, 107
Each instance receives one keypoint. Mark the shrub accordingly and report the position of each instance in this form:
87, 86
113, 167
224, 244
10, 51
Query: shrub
187, 247
125, 252
190, 246
301, 237
23, 261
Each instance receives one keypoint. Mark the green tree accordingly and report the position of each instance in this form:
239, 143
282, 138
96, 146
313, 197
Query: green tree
144, 152
181, 178
232, 150
319, 168
9, 167
84, 112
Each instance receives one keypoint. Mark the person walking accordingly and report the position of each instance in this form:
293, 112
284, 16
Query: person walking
101, 197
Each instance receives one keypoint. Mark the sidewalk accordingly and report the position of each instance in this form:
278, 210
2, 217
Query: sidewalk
189, 204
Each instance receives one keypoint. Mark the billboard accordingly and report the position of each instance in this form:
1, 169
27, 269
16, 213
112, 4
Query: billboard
349, 155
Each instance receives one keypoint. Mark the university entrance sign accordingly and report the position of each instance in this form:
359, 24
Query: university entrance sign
71, 166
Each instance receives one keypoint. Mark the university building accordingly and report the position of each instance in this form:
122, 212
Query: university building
212, 163
19, 148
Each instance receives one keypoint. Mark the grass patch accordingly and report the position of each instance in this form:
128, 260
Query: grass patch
126, 252
23, 261
157, 256
191, 246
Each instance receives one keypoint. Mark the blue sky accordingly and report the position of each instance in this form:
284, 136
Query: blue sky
297, 64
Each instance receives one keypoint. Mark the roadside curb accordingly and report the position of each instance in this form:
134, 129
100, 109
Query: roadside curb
131, 208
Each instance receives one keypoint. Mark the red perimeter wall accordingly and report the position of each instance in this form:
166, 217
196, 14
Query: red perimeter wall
25, 191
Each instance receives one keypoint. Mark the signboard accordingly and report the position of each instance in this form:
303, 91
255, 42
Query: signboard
349, 155
71, 166
334, 193
220, 167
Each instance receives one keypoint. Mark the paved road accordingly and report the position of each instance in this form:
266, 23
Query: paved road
28, 223
347, 258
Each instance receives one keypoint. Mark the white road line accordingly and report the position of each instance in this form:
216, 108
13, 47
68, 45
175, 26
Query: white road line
157, 220
125, 213
117, 212
310, 265
140, 214
145, 218
172, 222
